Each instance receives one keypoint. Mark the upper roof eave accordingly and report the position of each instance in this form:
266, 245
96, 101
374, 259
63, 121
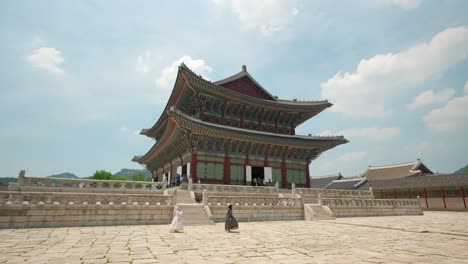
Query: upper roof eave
322, 104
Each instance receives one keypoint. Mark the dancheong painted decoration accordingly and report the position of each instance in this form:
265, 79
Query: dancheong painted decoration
233, 131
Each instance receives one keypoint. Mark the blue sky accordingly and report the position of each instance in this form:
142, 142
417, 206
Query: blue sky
79, 79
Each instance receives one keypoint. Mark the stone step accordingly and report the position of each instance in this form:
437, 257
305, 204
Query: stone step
183, 196
317, 212
194, 214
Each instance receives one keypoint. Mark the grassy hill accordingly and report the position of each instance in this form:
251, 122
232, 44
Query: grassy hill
65, 175
463, 170
127, 173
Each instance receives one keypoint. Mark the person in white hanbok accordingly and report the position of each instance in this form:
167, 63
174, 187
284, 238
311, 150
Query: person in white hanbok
177, 225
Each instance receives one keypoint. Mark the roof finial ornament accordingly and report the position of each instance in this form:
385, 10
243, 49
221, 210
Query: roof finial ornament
244, 68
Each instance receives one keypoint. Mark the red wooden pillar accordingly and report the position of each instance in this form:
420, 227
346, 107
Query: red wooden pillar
462, 193
293, 131
394, 194
442, 190
193, 167
409, 193
381, 194
227, 170
307, 174
425, 198
284, 178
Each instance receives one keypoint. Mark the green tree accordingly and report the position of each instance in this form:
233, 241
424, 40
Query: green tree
138, 177
148, 178
118, 178
102, 175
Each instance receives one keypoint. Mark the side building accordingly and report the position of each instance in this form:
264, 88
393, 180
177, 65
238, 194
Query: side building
233, 131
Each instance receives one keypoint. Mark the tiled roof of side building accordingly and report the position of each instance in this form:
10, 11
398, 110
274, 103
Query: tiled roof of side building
322, 181
345, 183
396, 171
419, 182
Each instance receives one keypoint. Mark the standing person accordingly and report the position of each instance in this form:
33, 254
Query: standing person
177, 179
177, 225
231, 222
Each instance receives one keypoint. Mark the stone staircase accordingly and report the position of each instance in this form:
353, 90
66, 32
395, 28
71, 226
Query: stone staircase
318, 212
193, 213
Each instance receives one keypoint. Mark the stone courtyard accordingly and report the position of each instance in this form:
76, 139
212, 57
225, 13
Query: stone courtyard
436, 237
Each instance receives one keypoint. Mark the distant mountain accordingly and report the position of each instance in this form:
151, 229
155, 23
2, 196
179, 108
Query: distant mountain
127, 173
6, 180
65, 175
463, 170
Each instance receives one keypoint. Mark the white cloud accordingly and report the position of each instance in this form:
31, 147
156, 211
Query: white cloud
352, 156
450, 117
165, 80
48, 59
123, 129
144, 63
367, 91
429, 97
266, 16
466, 87
404, 4
419, 147
370, 133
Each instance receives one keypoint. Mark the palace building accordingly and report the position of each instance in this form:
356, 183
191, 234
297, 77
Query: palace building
233, 131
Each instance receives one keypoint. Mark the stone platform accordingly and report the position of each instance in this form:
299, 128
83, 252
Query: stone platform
436, 237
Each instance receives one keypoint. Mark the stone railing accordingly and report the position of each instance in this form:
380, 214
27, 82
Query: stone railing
249, 200
88, 199
335, 193
371, 203
234, 188
31, 183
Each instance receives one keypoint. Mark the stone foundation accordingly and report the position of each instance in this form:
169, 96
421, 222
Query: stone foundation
258, 213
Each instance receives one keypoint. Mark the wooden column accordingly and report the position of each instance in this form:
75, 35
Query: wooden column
193, 167
442, 190
284, 177
394, 194
227, 169
381, 194
425, 198
246, 163
409, 193
462, 194
307, 173
293, 131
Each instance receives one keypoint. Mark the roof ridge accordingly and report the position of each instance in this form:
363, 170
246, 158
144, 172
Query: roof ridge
393, 165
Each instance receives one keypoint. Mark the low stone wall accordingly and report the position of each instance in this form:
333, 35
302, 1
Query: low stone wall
84, 198
250, 213
60, 215
234, 188
62, 185
372, 207
210, 199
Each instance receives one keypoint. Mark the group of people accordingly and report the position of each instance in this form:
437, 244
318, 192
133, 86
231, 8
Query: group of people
177, 225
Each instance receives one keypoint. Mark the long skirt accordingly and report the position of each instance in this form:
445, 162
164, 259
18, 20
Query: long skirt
231, 223
176, 225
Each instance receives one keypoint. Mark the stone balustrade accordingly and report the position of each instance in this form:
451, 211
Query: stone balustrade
249, 200
390, 203
11, 198
234, 188
335, 193
31, 183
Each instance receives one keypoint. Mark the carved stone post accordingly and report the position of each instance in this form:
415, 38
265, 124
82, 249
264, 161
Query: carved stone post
190, 185
293, 189
277, 186
164, 183
204, 198
320, 199
371, 192
21, 177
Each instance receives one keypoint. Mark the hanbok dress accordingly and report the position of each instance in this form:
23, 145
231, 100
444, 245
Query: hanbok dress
231, 222
177, 225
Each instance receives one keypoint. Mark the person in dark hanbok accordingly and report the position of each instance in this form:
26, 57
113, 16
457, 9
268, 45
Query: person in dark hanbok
231, 222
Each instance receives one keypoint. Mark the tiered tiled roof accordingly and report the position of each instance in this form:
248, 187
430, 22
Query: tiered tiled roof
321, 182
396, 171
425, 181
